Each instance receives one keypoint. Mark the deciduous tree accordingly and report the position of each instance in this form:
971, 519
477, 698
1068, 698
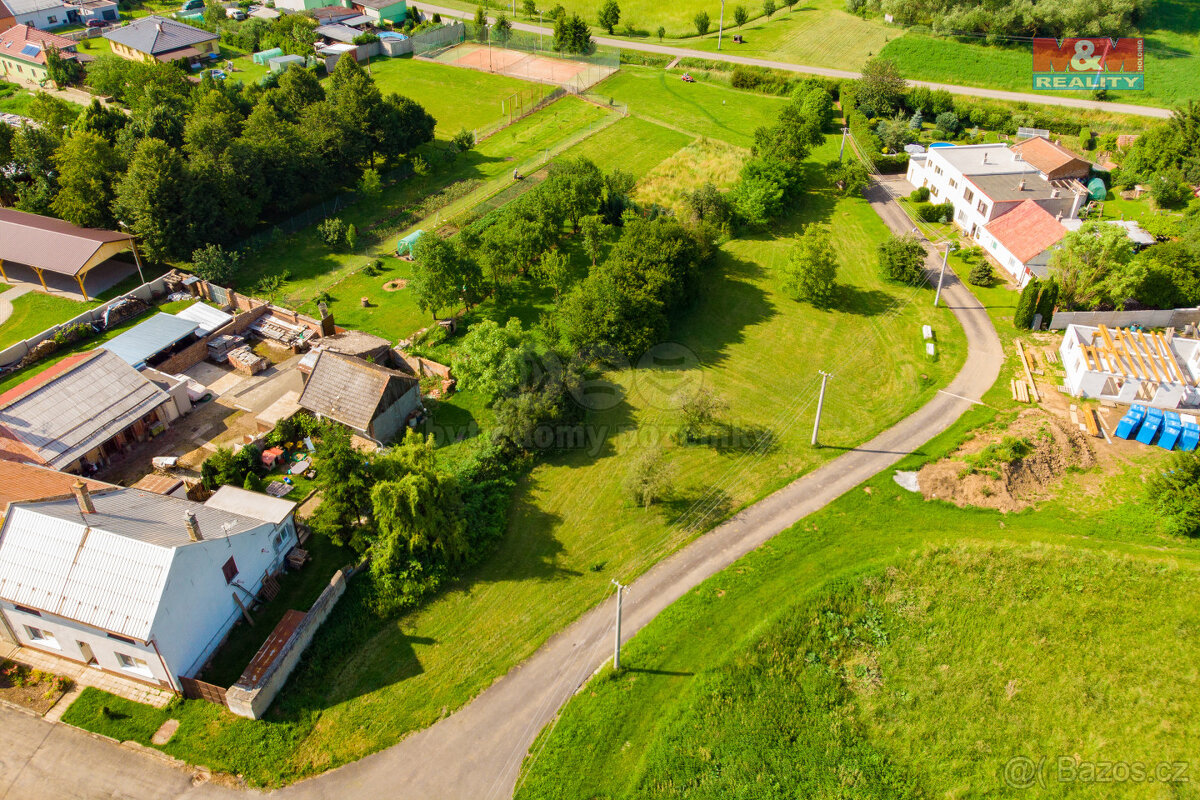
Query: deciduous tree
810, 273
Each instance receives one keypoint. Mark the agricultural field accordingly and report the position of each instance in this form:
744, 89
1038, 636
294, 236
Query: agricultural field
950, 670
703, 161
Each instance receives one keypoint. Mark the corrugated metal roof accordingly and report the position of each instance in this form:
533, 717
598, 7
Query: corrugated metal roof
153, 336
205, 316
62, 419
64, 567
339, 33
348, 389
148, 517
106, 569
49, 243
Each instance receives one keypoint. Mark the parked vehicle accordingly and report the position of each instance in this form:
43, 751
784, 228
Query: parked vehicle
192, 5
96, 23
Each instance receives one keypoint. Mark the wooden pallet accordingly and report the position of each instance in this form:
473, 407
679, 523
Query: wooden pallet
1020, 391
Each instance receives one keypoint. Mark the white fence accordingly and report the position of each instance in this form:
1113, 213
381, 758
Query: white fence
147, 291
1166, 318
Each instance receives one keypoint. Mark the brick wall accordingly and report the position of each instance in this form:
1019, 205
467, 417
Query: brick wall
252, 701
195, 353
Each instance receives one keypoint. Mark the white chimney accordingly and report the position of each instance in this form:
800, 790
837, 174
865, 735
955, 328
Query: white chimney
193, 527
1058, 216
1021, 185
985, 157
1053, 193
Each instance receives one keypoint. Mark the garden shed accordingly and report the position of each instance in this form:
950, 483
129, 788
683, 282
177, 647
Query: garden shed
281, 63
404, 247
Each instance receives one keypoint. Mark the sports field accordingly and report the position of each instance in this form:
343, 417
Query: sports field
523, 65
457, 98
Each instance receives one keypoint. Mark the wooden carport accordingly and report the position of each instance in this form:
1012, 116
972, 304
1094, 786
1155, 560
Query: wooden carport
46, 244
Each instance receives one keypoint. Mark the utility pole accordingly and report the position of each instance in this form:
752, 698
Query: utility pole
721, 25
842, 152
945, 257
617, 641
825, 376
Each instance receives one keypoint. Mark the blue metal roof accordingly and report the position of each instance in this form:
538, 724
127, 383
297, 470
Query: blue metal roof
143, 341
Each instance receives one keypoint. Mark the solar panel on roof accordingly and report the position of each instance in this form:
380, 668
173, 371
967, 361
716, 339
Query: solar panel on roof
30, 50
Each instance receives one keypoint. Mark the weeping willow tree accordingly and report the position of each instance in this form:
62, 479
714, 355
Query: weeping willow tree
420, 524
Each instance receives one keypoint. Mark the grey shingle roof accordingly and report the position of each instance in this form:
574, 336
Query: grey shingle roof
148, 517
155, 35
93, 398
348, 389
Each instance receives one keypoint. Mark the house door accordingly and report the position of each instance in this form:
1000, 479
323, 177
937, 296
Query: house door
88, 655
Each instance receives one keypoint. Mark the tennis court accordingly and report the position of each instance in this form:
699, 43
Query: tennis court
529, 61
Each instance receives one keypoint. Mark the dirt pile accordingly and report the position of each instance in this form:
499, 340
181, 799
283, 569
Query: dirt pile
1010, 468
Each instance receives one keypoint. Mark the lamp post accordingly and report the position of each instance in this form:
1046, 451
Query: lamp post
721, 25
617, 639
820, 405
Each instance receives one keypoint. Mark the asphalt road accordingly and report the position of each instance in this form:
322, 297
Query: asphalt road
476, 753
973, 91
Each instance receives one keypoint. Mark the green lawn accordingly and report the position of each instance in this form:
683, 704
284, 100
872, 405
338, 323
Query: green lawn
633, 145
456, 97
697, 109
313, 268
1090, 640
1172, 59
818, 33
34, 312
298, 590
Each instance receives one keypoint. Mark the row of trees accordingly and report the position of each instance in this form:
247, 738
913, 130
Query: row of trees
192, 164
1003, 17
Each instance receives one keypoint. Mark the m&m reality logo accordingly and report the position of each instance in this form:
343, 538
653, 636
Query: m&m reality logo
1092, 63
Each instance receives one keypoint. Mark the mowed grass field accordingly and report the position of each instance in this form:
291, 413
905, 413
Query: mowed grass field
819, 33
696, 109
456, 97
1068, 630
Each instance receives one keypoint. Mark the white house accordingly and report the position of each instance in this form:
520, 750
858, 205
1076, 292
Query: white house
985, 182
1131, 366
139, 584
50, 14
1021, 240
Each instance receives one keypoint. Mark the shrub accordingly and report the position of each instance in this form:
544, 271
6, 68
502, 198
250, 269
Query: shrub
1026, 305
1047, 300
948, 123
215, 264
981, 274
332, 231
935, 212
464, 139
1085, 138
702, 22
920, 195
1174, 493
902, 258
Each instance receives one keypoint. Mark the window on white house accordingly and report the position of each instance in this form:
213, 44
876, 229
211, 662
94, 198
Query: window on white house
982, 208
937, 170
277, 541
229, 570
968, 195
42, 637
132, 664
953, 183
52, 19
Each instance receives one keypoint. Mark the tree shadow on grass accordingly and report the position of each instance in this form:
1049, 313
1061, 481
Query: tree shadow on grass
863, 302
697, 508
736, 438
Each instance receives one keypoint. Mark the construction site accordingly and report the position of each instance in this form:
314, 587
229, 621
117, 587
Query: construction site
1131, 366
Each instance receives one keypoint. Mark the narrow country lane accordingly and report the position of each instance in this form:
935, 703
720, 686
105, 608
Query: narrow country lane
973, 91
476, 753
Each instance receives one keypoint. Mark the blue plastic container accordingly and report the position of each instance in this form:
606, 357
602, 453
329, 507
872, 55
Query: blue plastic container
1128, 426
1151, 427
1190, 437
1172, 428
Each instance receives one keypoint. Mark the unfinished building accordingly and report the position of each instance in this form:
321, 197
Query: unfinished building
1131, 366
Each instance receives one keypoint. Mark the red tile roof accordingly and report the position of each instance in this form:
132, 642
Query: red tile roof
22, 482
1047, 156
1027, 230
13, 40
